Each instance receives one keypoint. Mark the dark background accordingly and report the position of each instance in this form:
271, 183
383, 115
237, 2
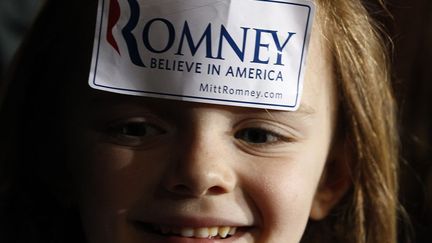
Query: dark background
411, 32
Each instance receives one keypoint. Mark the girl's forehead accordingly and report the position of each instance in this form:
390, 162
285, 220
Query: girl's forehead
100, 101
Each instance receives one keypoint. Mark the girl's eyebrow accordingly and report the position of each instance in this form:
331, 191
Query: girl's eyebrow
304, 111
115, 99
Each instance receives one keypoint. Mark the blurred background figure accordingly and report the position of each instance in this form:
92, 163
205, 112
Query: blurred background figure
16, 17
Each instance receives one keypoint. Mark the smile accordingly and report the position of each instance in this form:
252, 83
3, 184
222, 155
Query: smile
216, 232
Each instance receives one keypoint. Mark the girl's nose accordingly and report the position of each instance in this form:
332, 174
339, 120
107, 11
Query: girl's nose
203, 166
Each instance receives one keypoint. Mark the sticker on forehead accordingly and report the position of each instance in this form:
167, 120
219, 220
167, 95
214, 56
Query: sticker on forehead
247, 53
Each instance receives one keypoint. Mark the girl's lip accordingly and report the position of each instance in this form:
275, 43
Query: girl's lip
192, 222
158, 237
178, 239
152, 229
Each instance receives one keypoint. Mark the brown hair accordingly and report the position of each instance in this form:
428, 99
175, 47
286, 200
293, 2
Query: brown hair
366, 215
369, 212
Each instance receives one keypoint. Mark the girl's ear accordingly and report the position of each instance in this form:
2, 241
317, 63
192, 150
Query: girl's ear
334, 182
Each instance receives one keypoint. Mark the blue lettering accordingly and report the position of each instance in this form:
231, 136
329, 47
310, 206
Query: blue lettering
186, 33
279, 47
279, 76
258, 46
241, 73
153, 63
264, 40
129, 37
230, 72
171, 35
225, 34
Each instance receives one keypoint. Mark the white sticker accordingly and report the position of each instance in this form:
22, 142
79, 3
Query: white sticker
247, 53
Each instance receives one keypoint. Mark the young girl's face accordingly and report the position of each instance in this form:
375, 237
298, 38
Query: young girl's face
153, 170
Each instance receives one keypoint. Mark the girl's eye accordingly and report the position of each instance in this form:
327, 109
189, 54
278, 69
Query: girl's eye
135, 133
257, 136
136, 129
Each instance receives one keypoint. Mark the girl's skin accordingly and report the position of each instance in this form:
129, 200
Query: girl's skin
141, 164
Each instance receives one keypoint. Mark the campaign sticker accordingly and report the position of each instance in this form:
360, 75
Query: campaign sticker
247, 53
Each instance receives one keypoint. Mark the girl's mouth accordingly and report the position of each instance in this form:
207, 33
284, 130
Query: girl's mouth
212, 232
215, 232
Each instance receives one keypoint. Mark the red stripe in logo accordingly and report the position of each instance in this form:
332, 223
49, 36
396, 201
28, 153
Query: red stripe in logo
114, 16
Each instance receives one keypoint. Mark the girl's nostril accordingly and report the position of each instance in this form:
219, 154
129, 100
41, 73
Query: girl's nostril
182, 189
216, 190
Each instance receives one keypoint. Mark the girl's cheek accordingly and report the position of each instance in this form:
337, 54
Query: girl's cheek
283, 189
109, 173
118, 173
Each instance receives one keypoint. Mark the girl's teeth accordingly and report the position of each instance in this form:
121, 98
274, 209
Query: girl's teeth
223, 231
187, 232
213, 231
202, 232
